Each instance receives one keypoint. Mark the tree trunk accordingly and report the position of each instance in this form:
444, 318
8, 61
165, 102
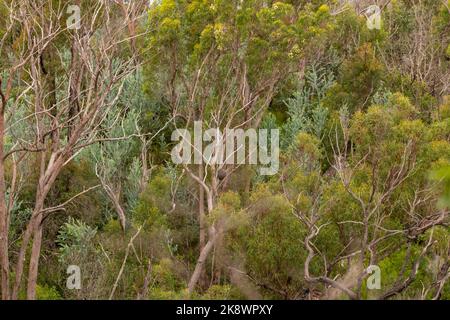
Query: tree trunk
34, 259
199, 267
49, 173
201, 210
46, 181
36, 243
21, 258
4, 255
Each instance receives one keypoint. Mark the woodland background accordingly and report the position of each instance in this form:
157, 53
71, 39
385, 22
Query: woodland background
86, 176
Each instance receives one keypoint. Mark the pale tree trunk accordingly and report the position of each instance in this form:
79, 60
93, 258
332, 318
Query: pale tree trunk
37, 240
41, 193
202, 223
36, 245
48, 176
113, 194
34, 259
201, 210
21, 258
33, 232
206, 249
199, 267
4, 255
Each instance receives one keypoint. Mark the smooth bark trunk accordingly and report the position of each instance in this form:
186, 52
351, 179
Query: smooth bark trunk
4, 254
201, 210
199, 267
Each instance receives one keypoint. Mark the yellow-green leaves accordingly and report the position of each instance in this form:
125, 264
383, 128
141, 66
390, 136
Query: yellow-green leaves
401, 107
170, 26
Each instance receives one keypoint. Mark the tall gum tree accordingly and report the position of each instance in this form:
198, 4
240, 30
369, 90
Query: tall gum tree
91, 80
221, 63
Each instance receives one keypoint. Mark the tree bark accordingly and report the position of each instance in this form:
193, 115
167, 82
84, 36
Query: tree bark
4, 255
201, 210
199, 267
37, 240
34, 259
21, 258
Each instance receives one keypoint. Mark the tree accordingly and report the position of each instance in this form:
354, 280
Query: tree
221, 63
60, 130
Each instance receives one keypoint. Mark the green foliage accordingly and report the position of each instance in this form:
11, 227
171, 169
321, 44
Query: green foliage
272, 242
153, 202
364, 174
221, 292
304, 108
75, 237
166, 284
47, 293
359, 78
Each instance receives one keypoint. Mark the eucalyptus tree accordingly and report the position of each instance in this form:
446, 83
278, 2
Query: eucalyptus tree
380, 202
221, 63
63, 114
